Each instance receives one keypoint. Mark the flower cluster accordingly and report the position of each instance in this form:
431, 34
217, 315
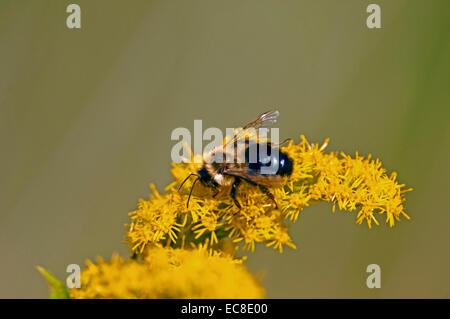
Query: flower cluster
169, 273
350, 183
181, 252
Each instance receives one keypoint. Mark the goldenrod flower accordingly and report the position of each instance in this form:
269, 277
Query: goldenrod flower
189, 253
349, 183
155, 220
169, 273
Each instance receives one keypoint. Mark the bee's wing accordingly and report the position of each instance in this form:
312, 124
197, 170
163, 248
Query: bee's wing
249, 176
265, 119
250, 131
241, 171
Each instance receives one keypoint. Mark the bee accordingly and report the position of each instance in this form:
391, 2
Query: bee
265, 168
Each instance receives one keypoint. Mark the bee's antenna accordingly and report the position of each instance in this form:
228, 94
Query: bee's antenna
192, 188
181, 185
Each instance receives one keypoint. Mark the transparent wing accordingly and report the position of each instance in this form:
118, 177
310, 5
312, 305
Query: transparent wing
250, 131
265, 119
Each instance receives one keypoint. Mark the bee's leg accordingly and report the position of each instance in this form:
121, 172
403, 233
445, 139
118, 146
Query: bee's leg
234, 186
269, 194
216, 191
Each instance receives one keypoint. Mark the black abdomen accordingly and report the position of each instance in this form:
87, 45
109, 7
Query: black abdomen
263, 159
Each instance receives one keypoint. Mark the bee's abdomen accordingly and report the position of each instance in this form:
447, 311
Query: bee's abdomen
267, 161
285, 165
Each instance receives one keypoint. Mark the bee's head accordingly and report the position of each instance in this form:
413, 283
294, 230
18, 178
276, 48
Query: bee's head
203, 176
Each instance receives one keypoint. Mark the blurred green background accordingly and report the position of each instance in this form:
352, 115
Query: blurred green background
86, 117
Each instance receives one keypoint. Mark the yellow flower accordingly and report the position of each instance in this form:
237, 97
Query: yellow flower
169, 273
354, 183
212, 228
349, 183
155, 220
